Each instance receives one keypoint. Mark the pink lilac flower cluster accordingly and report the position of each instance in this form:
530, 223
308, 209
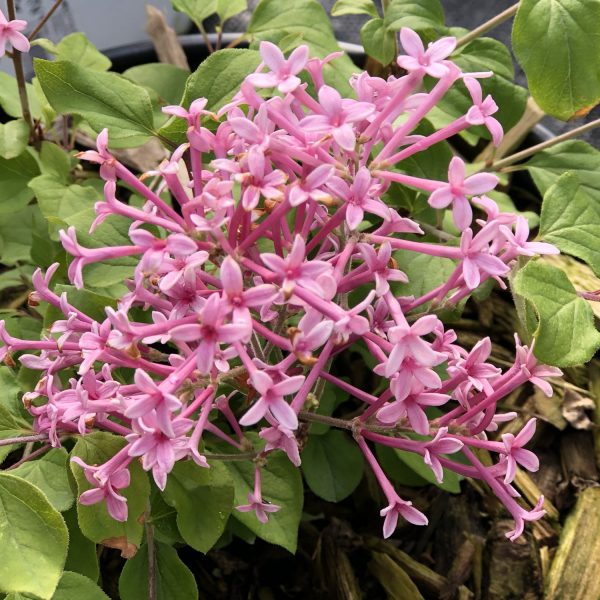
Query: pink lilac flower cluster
250, 242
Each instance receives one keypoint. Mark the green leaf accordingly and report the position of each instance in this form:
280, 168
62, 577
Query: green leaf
94, 520
55, 162
308, 19
11, 426
190, 486
332, 465
163, 519
102, 99
216, 79
281, 485
16, 232
73, 586
573, 155
49, 474
33, 539
77, 48
196, 10
10, 394
168, 81
229, 8
15, 174
59, 201
424, 272
570, 219
416, 14
564, 330
9, 97
13, 138
174, 581
378, 41
354, 7
82, 556
556, 42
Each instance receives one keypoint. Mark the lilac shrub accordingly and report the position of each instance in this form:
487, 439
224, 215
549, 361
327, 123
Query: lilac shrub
276, 256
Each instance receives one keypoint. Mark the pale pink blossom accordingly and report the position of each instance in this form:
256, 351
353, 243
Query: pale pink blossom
458, 188
431, 60
10, 33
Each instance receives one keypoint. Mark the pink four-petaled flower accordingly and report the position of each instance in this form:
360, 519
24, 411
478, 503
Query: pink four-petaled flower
10, 33
458, 188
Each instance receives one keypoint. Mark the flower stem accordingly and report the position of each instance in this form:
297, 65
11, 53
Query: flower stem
19, 74
513, 158
488, 25
41, 437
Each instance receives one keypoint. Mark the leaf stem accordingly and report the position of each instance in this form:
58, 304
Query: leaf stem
209, 46
19, 73
44, 20
513, 158
488, 25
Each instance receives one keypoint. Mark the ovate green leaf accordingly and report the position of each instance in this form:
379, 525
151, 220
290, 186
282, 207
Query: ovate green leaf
58, 201
281, 485
15, 174
73, 586
416, 14
557, 43
168, 81
102, 99
196, 10
203, 499
174, 581
82, 557
9, 97
13, 138
33, 539
94, 520
573, 155
564, 329
378, 41
571, 220
332, 465
354, 7
49, 474
16, 232
229, 8
77, 48
55, 162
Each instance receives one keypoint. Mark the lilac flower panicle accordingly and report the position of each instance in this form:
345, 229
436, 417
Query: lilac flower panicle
277, 253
